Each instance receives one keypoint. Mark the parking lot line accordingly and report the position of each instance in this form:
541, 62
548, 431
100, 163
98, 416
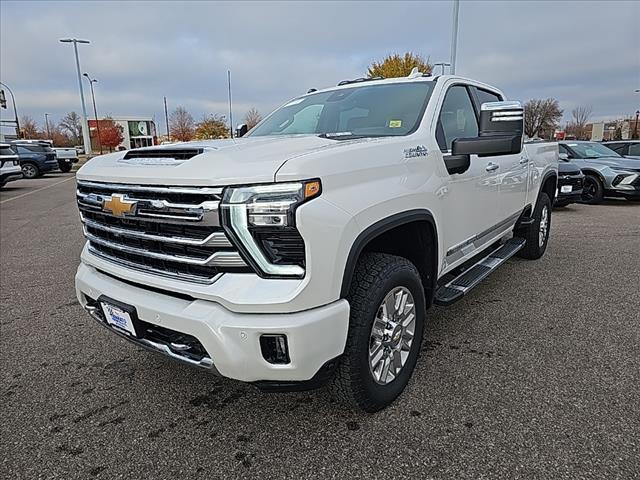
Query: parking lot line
36, 190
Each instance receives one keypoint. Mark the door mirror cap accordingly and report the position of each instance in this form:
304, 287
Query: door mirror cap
241, 130
563, 156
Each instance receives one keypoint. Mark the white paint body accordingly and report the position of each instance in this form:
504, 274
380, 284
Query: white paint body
364, 181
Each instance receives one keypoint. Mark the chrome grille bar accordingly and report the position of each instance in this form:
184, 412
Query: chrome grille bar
121, 187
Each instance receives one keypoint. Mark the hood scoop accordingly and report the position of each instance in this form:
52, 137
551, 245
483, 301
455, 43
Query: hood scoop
160, 156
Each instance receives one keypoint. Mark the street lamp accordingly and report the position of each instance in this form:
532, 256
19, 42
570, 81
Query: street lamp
46, 122
85, 125
95, 111
15, 110
454, 35
442, 64
635, 128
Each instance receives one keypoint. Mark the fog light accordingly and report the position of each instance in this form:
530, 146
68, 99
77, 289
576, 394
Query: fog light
274, 348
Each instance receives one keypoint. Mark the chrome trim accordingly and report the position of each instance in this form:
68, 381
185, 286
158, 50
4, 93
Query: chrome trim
205, 362
163, 273
478, 239
216, 239
504, 105
507, 119
117, 187
217, 259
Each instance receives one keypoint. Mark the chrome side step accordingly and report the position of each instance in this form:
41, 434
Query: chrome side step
460, 286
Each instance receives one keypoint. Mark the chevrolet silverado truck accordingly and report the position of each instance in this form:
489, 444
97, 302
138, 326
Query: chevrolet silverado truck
309, 250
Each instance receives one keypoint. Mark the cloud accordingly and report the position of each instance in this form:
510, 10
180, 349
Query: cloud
578, 52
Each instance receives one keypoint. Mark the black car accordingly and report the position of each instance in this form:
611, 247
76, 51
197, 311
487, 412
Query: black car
570, 184
626, 148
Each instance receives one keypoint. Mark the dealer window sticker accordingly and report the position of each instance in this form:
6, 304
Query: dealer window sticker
395, 123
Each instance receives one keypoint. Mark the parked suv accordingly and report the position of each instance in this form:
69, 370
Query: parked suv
607, 174
9, 165
626, 148
309, 250
570, 183
36, 157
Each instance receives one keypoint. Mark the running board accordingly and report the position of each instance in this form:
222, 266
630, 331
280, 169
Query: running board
460, 286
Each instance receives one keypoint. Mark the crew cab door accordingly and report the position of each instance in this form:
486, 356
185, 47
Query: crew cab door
513, 170
470, 200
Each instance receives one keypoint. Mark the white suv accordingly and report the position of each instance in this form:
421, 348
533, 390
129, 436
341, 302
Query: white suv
9, 165
310, 250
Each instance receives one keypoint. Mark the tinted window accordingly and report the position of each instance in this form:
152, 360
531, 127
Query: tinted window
34, 148
563, 149
591, 150
634, 149
457, 117
485, 96
621, 148
6, 151
375, 110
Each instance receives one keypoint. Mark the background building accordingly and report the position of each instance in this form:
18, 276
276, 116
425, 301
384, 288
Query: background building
136, 132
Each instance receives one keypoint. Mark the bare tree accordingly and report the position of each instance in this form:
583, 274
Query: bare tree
72, 123
541, 117
29, 128
181, 125
581, 116
252, 118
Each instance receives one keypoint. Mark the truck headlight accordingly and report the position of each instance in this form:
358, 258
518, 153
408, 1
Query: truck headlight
260, 218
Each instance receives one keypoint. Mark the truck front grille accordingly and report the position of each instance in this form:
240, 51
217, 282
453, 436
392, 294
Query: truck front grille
170, 231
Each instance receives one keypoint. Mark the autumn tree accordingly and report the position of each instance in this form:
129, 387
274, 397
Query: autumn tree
211, 127
111, 134
581, 116
181, 125
252, 118
541, 117
60, 137
72, 124
29, 128
396, 65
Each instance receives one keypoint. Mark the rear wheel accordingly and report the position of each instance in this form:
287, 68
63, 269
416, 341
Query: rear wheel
385, 332
30, 170
536, 234
593, 190
64, 167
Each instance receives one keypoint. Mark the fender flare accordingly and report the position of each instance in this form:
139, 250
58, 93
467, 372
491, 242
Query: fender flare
546, 177
594, 172
380, 227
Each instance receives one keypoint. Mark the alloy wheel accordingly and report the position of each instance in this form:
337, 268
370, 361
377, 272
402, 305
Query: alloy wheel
392, 335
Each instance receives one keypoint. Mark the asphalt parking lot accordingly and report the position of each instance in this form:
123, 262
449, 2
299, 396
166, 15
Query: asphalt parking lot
535, 375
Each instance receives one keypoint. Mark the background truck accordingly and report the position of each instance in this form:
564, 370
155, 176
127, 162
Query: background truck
66, 158
309, 251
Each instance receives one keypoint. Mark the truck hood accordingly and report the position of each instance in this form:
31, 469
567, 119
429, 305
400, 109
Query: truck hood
222, 162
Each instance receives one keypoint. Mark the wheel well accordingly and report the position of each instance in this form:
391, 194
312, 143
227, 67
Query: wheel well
594, 173
549, 186
415, 240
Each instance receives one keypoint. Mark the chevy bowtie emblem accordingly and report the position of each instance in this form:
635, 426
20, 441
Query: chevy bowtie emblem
118, 205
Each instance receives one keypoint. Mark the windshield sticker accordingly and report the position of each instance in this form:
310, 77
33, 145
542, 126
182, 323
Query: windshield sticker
419, 151
395, 123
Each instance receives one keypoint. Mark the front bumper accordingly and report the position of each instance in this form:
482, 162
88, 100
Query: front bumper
231, 340
10, 176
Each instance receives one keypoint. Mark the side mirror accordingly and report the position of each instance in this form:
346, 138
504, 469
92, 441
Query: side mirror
501, 131
241, 130
563, 156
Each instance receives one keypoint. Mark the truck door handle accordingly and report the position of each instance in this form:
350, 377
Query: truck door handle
492, 166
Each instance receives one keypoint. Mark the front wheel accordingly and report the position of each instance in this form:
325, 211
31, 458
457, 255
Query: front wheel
386, 323
593, 190
536, 234
30, 170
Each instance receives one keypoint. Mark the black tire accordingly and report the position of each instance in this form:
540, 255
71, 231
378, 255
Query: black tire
65, 167
535, 244
30, 170
375, 276
593, 190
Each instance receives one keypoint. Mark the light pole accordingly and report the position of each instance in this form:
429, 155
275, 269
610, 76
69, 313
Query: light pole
166, 119
85, 125
95, 111
442, 64
46, 122
635, 128
15, 111
454, 35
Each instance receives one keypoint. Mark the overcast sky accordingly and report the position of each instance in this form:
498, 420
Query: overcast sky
579, 52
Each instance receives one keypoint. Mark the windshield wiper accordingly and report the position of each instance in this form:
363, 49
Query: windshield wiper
342, 136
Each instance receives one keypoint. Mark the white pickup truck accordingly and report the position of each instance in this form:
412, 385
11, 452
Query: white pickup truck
310, 250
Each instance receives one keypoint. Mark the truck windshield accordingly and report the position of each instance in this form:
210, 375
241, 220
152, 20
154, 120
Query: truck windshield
363, 111
592, 150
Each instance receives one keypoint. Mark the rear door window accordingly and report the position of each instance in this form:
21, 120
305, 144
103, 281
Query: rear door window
634, 149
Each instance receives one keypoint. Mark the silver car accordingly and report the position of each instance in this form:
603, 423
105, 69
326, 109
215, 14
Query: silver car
607, 174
